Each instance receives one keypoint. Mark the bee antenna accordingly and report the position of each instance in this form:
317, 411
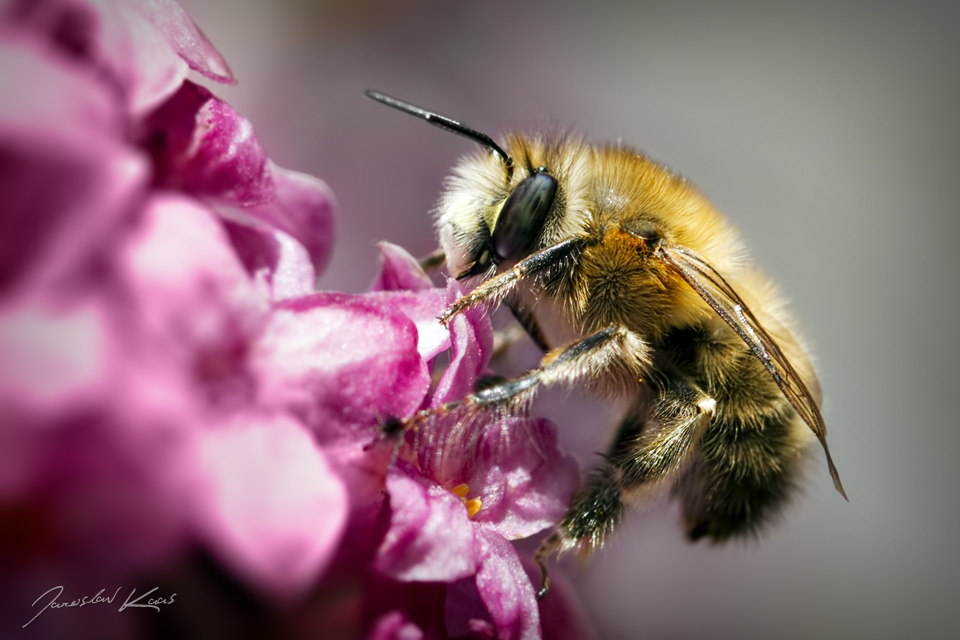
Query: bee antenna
443, 122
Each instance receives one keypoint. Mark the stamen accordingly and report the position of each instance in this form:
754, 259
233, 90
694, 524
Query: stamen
473, 505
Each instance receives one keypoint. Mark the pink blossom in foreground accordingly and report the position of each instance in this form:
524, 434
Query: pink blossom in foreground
471, 486
172, 384
128, 322
464, 488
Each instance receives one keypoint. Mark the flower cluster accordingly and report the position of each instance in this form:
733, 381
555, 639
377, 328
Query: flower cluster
170, 380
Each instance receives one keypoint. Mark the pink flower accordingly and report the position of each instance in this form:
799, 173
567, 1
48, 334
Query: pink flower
461, 490
466, 487
453, 517
268, 500
130, 322
170, 380
138, 50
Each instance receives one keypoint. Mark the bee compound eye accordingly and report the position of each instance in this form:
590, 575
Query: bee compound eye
523, 215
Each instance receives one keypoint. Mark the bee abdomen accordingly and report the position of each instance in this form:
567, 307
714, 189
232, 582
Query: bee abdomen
742, 477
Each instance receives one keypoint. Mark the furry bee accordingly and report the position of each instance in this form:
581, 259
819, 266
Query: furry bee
635, 286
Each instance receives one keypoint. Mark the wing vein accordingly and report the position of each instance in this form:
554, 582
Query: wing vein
714, 289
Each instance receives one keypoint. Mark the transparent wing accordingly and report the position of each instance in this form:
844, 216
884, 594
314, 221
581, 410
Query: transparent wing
717, 292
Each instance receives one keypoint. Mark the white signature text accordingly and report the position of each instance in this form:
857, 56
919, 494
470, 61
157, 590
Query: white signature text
130, 603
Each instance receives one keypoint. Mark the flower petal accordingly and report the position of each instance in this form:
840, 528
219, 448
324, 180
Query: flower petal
423, 308
431, 538
513, 465
506, 590
90, 494
273, 256
66, 28
524, 480
186, 39
201, 145
94, 449
343, 363
294, 274
399, 271
272, 508
66, 179
188, 305
188, 283
304, 207
472, 337
420, 604
561, 614
395, 626
52, 355
112, 39
47, 99
61, 208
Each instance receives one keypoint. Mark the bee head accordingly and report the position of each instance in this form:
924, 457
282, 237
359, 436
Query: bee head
495, 218
516, 224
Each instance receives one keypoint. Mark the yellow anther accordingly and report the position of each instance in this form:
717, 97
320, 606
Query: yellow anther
473, 505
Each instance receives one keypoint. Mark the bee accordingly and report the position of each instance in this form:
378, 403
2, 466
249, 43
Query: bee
634, 286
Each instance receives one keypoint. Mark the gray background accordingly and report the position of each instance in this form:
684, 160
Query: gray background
826, 131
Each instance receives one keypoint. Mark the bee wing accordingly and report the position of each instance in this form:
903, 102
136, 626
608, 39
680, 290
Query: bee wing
717, 292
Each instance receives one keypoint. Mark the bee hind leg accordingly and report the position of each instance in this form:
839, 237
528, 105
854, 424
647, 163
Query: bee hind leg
652, 447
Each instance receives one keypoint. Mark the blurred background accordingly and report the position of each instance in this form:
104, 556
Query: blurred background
826, 131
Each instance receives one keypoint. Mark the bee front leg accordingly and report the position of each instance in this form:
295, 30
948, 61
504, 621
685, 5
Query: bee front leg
652, 447
536, 264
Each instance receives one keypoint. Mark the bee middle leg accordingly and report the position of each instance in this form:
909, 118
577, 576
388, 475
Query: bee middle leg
654, 443
610, 358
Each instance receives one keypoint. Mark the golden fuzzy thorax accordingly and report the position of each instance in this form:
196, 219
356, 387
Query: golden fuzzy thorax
602, 189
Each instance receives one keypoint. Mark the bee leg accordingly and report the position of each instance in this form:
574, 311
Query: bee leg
433, 261
528, 323
609, 358
651, 449
612, 356
496, 288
